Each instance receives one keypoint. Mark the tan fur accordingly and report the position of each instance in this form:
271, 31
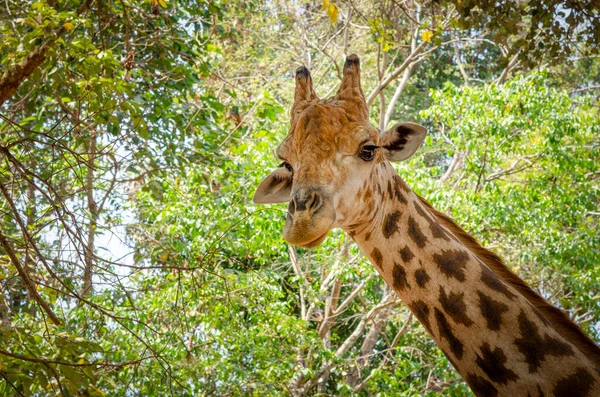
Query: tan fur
558, 318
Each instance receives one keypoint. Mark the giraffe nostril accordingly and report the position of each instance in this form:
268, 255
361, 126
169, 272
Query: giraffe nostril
305, 200
315, 202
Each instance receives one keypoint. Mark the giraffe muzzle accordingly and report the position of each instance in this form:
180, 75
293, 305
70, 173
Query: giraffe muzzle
310, 200
310, 216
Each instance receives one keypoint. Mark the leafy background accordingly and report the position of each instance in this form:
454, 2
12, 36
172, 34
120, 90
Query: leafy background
132, 260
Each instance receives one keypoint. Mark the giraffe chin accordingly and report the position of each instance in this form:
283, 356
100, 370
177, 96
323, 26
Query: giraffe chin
309, 234
315, 242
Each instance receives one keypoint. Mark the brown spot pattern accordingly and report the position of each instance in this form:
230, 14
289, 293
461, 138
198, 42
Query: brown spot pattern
370, 206
377, 257
454, 305
481, 386
421, 211
406, 254
445, 331
421, 312
577, 385
541, 316
492, 280
492, 363
415, 233
390, 190
438, 232
534, 347
399, 277
452, 263
401, 184
491, 310
398, 187
390, 224
540, 391
368, 194
421, 277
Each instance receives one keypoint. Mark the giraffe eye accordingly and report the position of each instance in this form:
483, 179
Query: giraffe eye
287, 166
367, 153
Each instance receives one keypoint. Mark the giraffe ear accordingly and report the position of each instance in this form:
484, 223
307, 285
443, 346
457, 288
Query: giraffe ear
276, 188
402, 140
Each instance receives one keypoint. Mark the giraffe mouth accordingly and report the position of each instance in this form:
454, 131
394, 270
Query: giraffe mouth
302, 232
308, 221
315, 242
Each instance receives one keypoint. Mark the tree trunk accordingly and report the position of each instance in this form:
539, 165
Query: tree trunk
93, 209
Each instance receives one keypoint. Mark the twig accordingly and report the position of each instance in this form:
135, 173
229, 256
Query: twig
57, 362
29, 284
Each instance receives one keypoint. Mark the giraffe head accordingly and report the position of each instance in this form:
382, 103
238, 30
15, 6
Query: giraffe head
328, 157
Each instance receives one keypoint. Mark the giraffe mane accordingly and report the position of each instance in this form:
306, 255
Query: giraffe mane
557, 318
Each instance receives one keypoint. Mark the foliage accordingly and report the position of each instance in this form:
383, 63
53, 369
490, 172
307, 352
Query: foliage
131, 152
536, 30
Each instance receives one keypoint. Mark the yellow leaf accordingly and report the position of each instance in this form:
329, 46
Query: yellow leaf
81, 361
162, 3
38, 287
68, 26
426, 36
507, 108
325, 4
333, 12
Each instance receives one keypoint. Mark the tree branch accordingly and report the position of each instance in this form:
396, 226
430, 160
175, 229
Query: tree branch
29, 284
462, 70
392, 76
12, 78
386, 302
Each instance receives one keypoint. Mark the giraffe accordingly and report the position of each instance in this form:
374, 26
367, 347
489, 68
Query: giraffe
502, 337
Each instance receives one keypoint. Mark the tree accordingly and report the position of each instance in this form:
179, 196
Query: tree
99, 95
151, 122
536, 31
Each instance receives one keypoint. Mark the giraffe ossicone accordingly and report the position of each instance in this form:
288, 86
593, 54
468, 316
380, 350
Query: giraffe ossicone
501, 336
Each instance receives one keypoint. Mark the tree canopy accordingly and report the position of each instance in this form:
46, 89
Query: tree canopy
133, 134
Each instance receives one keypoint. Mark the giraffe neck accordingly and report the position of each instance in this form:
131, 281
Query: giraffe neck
493, 336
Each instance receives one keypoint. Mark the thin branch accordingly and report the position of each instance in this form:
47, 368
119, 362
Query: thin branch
13, 77
459, 63
589, 88
511, 65
300, 275
29, 284
351, 297
94, 364
514, 168
456, 159
394, 74
330, 306
413, 56
387, 301
12, 385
